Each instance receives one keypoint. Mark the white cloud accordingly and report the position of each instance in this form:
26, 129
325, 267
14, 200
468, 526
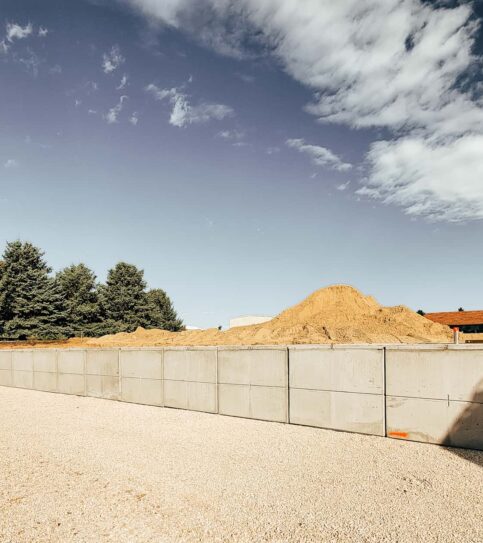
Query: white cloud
436, 180
56, 69
10, 164
246, 78
231, 135
30, 60
77, 102
134, 119
183, 113
113, 114
43, 32
4, 47
343, 186
91, 87
273, 150
394, 64
123, 82
112, 60
18, 32
161, 94
321, 156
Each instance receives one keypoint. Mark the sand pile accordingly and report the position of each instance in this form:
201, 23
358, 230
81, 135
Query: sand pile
336, 314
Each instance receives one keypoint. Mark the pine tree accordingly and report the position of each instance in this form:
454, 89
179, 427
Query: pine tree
161, 312
123, 299
2, 322
78, 284
31, 303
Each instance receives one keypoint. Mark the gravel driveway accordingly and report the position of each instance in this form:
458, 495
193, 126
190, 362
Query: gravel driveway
82, 469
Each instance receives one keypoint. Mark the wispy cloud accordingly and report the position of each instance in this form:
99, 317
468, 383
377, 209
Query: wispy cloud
343, 186
123, 82
246, 78
29, 60
112, 115
112, 60
321, 156
18, 32
231, 135
10, 164
43, 32
393, 64
134, 118
183, 112
56, 69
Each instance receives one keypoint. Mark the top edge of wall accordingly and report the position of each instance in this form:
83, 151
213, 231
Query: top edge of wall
435, 347
341, 346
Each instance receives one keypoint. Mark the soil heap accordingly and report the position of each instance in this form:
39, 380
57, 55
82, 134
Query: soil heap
336, 314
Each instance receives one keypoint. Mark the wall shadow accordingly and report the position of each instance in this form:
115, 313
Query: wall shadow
466, 433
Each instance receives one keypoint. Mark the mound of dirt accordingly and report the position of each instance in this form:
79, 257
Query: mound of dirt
336, 314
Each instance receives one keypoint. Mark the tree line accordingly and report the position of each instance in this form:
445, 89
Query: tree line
35, 304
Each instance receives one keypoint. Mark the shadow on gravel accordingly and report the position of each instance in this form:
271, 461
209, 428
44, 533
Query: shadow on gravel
467, 430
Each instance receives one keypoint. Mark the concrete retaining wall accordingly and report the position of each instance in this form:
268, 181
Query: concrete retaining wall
423, 393
435, 395
253, 383
338, 388
190, 379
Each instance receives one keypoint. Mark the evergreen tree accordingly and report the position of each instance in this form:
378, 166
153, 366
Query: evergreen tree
78, 284
2, 322
123, 299
31, 302
161, 312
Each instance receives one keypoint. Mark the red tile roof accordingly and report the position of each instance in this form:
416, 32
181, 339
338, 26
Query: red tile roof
456, 318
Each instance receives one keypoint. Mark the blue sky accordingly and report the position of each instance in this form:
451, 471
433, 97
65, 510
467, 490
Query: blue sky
247, 153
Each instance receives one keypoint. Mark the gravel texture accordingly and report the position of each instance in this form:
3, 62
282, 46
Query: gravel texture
83, 469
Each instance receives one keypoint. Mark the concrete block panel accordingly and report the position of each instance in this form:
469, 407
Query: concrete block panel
253, 402
45, 360
142, 391
264, 367
23, 379
45, 381
5, 360
190, 365
202, 397
435, 374
69, 383
176, 394
351, 412
6, 378
71, 362
453, 423
234, 400
22, 360
190, 395
145, 364
344, 370
102, 362
466, 425
102, 386
268, 403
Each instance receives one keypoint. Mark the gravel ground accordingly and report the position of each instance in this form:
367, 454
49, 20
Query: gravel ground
82, 469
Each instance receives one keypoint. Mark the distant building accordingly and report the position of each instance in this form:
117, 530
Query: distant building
247, 320
469, 322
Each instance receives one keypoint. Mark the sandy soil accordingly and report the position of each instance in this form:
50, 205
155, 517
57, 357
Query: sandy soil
83, 469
